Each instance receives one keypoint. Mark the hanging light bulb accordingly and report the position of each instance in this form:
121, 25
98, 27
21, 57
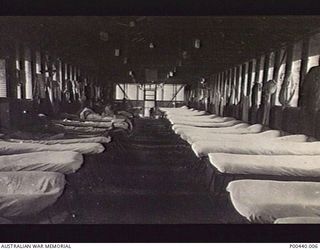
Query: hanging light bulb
130, 73
197, 43
170, 73
151, 45
175, 69
117, 52
125, 60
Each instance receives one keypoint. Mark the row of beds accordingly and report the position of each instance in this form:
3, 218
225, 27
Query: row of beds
269, 176
33, 165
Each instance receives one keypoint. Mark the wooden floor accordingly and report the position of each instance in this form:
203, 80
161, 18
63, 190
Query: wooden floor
145, 178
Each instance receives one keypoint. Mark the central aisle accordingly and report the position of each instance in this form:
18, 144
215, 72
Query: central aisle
141, 179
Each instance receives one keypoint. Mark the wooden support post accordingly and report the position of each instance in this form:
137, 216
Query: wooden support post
250, 70
277, 64
304, 65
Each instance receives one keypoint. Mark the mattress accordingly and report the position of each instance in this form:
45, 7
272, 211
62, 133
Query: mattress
260, 147
26, 193
186, 133
187, 113
198, 123
277, 165
217, 137
163, 109
74, 117
220, 125
208, 118
96, 139
94, 124
211, 124
199, 117
265, 201
298, 220
76, 129
8, 148
66, 162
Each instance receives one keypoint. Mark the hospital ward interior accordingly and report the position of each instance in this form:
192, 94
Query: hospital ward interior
160, 120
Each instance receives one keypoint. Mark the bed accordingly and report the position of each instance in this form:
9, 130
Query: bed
213, 124
79, 130
27, 193
192, 138
186, 133
8, 148
271, 165
65, 162
95, 124
264, 201
276, 146
199, 123
95, 139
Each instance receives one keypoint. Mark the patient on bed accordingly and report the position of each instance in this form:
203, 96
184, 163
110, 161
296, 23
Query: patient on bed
108, 111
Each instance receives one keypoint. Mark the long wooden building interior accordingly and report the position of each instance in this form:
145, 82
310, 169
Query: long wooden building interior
159, 119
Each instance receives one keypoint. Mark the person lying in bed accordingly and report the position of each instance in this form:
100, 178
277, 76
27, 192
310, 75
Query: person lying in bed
107, 115
108, 111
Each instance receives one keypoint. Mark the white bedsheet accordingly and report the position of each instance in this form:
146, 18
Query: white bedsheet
94, 124
8, 148
66, 162
196, 122
220, 124
260, 147
186, 113
265, 201
163, 109
298, 220
95, 139
75, 129
278, 165
218, 137
179, 128
25, 193
207, 118
186, 133
197, 118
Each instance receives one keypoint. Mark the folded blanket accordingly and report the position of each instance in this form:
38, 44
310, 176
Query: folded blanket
265, 201
8, 148
25, 193
277, 165
66, 162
